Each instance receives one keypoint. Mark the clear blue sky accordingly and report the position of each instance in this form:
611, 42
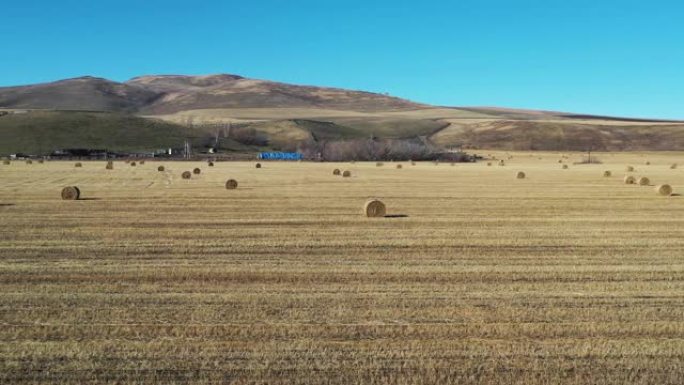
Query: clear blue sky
600, 56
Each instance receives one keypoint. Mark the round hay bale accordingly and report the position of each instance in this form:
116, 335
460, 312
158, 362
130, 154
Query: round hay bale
502, 162
607, 174
258, 165
29, 161
142, 162
6, 162
133, 164
109, 166
210, 164
643, 181
161, 168
560, 160
346, 174
337, 171
648, 163
78, 164
673, 166
664, 190
379, 164
565, 167
520, 175
630, 169
41, 161
196, 171
399, 166
71, 193
374, 208
629, 179
489, 164
186, 175
231, 184
413, 163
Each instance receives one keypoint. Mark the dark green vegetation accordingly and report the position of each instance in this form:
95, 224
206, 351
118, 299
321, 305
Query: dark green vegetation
41, 132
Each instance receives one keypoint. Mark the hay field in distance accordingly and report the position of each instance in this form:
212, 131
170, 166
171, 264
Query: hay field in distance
564, 277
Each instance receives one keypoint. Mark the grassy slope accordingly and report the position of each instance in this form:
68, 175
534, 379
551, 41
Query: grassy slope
44, 131
565, 277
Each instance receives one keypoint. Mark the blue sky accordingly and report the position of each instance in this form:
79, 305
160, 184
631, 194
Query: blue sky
603, 57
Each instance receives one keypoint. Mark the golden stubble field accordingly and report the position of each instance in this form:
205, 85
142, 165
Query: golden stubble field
563, 277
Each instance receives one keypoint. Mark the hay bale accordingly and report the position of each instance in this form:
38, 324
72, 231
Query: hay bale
413, 163
6, 162
489, 164
231, 184
673, 166
186, 175
29, 161
643, 181
399, 166
630, 169
629, 179
648, 163
142, 162
565, 167
196, 171
78, 164
379, 164
210, 164
346, 174
41, 161
664, 190
607, 174
560, 160
161, 168
374, 208
109, 166
502, 162
71, 193
258, 165
520, 175
133, 164
337, 171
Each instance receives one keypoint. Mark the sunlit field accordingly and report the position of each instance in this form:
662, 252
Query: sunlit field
475, 276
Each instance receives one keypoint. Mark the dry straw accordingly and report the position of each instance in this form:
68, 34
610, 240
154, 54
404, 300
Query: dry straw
160, 168
258, 165
337, 171
629, 179
607, 174
374, 208
664, 189
71, 193
643, 181
231, 184
78, 164
346, 174
521, 175
186, 175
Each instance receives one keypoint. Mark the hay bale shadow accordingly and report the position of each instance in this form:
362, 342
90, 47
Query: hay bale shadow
6, 204
396, 216
89, 199
675, 195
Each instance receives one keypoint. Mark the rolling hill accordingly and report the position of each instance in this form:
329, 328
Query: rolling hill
159, 111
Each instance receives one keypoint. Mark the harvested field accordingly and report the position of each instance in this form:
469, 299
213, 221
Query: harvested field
474, 278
